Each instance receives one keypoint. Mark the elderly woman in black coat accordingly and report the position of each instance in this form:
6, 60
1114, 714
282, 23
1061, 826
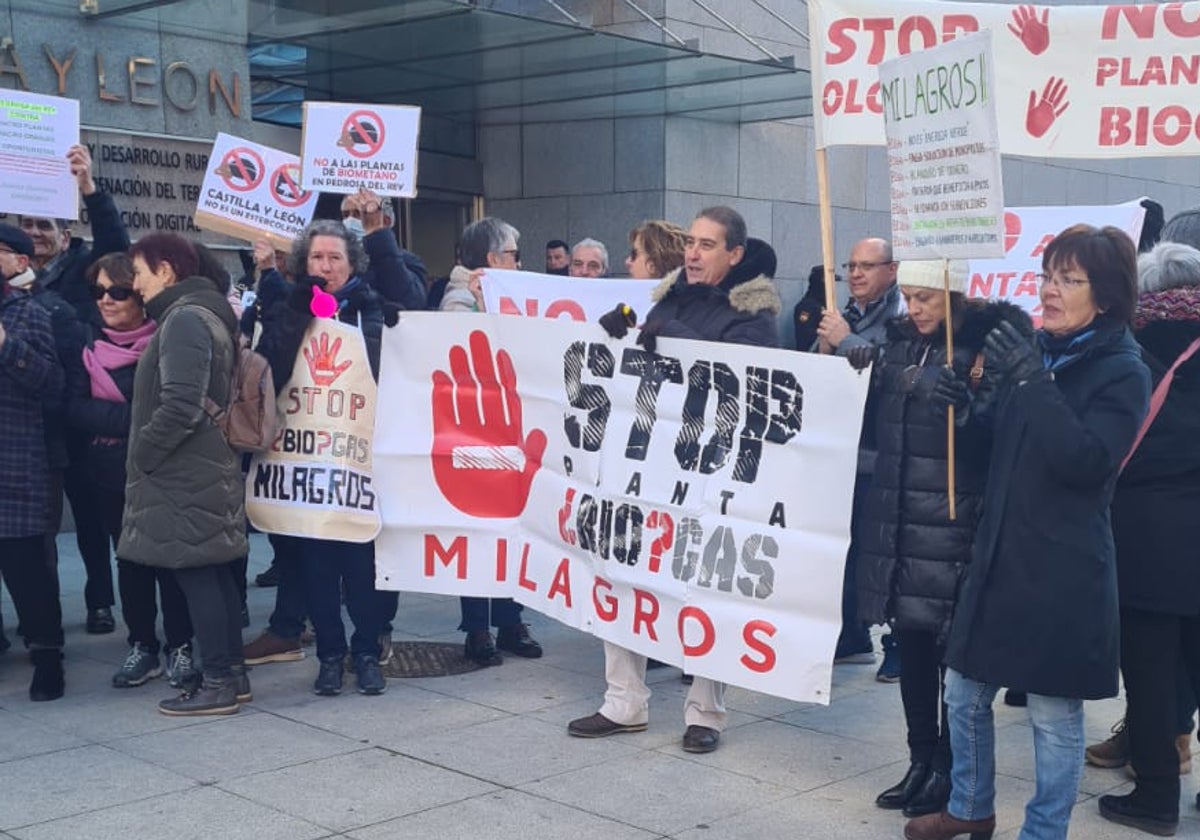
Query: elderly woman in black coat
913, 553
1157, 530
1038, 606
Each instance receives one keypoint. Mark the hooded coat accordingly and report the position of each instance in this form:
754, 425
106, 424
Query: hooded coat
912, 555
184, 497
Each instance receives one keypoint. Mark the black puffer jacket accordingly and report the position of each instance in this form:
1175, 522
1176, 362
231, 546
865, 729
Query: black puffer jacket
912, 555
736, 311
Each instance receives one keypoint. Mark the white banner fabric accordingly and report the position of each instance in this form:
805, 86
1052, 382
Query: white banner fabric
554, 296
692, 505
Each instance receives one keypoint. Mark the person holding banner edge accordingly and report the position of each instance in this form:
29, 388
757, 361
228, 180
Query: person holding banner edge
712, 297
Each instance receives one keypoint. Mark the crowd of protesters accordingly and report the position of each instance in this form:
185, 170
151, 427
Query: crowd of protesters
1068, 517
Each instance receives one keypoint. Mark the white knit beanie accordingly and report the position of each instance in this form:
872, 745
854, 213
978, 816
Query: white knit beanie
931, 274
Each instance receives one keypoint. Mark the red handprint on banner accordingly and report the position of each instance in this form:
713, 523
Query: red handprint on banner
1042, 113
481, 462
322, 360
1034, 33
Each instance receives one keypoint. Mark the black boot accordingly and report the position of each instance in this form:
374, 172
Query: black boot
241, 683
931, 797
214, 696
48, 682
1134, 811
898, 795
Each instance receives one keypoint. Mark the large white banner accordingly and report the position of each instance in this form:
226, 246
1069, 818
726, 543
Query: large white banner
692, 505
1078, 81
554, 296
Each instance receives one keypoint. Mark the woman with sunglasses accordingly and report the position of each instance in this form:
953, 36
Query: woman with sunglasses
913, 554
99, 398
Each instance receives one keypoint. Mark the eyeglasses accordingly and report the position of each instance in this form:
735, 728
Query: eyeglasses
1059, 281
516, 254
117, 293
865, 266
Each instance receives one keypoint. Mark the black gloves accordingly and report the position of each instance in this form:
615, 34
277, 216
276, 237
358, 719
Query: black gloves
861, 355
1012, 355
617, 322
950, 390
300, 298
391, 313
648, 337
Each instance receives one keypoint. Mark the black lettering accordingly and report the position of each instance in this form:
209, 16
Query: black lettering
591, 398
635, 485
652, 370
777, 516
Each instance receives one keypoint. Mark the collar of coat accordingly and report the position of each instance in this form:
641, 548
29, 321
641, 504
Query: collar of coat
750, 296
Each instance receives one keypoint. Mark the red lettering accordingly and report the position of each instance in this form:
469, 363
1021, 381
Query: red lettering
509, 307
1004, 277
955, 25
324, 439
457, 553
566, 307
1106, 68
750, 637
843, 42
980, 286
665, 539
1174, 21
1140, 19
561, 585
1170, 126
645, 611
522, 580
564, 514
606, 610
1183, 128
877, 27
831, 97
501, 560
1041, 246
710, 632
916, 24
357, 403
1027, 286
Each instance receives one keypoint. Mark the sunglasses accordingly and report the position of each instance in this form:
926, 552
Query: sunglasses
117, 293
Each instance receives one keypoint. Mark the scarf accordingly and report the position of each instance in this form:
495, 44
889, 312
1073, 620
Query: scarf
124, 347
23, 281
1060, 350
1178, 304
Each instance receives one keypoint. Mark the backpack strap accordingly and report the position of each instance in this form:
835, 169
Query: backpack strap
1158, 398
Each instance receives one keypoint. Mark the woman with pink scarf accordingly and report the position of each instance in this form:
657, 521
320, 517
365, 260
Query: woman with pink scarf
100, 393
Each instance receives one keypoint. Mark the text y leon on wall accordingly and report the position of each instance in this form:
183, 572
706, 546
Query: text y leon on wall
692, 505
1079, 81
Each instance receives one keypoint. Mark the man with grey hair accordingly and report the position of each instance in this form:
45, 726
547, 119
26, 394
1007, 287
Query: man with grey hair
589, 258
487, 243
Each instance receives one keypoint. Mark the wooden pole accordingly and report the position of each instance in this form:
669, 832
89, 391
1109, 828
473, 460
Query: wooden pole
950, 489
826, 230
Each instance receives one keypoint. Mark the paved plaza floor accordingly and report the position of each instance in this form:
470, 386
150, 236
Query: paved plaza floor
484, 755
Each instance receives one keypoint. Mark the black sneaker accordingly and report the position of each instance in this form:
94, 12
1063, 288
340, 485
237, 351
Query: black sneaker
268, 578
889, 669
370, 677
140, 667
481, 648
181, 667
1133, 811
516, 640
100, 621
329, 678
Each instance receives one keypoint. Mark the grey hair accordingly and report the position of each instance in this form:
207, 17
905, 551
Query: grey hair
489, 235
297, 261
1168, 265
588, 242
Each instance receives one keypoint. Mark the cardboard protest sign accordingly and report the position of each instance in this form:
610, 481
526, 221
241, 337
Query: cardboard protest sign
1079, 81
253, 192
317, 480
554, 296
1028, 230
346, 146
35, 133
939, 110
692, 505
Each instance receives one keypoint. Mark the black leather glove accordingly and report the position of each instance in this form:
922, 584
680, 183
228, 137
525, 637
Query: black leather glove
1013, 355
246, 256
950, 389
861, 355
300, 298
391, 314
648, 337
618, 321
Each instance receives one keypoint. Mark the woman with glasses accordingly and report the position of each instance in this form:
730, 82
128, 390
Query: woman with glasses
912, 553
1037, 609
99, 400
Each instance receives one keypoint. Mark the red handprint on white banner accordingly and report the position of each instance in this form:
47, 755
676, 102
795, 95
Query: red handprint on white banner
1041, 113
322, 360
481, 462
1034, 33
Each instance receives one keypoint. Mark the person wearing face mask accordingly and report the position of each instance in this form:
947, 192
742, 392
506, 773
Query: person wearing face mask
29, 372
396, 273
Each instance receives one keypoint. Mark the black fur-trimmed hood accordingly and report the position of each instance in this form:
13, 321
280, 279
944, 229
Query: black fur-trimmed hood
979, 317
750, 296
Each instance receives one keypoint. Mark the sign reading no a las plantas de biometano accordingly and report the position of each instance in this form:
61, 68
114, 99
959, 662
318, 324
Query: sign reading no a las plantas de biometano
939, 111
346, 146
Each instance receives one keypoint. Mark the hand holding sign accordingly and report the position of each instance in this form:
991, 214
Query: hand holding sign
1042, 113
1034, 33
481, 462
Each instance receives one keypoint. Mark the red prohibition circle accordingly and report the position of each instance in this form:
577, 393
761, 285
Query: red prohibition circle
242, 169
362, 134
285, 186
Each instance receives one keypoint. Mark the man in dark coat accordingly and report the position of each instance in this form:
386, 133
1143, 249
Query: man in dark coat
397, 274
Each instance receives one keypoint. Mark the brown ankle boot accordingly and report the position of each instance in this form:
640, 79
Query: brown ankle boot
942, 826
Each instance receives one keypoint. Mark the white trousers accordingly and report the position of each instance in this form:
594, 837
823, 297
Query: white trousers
627, 700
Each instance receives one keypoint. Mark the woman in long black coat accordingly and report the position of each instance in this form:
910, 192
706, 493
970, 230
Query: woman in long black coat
1038, 606
1156, 527
913, 554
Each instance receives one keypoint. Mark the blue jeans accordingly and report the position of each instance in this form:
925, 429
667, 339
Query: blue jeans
1058, 756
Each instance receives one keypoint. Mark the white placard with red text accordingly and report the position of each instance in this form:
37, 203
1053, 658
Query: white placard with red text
1028, 230
346, 146
1078, 81
554, 296
703, 493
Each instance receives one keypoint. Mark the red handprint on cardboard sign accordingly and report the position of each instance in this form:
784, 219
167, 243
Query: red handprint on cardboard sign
1034, 33
1041, 113
481, 462
322, 360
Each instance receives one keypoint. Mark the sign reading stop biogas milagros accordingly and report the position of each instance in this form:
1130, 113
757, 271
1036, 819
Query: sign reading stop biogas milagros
346, 146
252, 191
939, 111
35, 133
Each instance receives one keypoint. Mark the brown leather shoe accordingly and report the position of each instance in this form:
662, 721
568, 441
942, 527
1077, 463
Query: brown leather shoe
700, 739
942, 826
271, 648
598, 726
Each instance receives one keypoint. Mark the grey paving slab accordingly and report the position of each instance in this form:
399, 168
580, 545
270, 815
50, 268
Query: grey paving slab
873, 716
24, 737
658, 792
78, 781
200, 813
517, 686
358, 789
504, 815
